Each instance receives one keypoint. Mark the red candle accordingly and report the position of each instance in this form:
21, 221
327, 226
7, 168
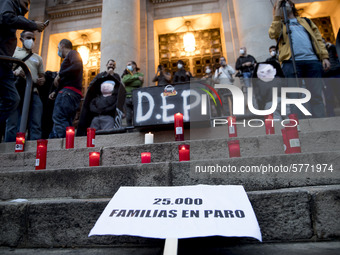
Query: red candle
94, 158
184, 152
40, 160
179, 129
293, 117
69, 144
269, 123
20, 142
232, 130
234, 149
285, 141
293, 139
91, 135
146, 157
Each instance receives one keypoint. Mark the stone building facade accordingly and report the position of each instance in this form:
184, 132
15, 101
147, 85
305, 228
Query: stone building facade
150, 31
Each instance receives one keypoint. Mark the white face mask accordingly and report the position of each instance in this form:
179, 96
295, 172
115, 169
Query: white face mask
179, 66
29, 44
242, 51
130, 68
273, 53
208, 71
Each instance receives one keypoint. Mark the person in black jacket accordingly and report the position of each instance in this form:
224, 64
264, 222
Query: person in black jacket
103, 107
273, 54
11, 18
331, 80
245, 64
68, 85
268, 75
181, 76
94, 92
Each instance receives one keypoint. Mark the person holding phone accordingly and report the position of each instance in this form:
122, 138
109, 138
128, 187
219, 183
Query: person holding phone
163, 77
12, 17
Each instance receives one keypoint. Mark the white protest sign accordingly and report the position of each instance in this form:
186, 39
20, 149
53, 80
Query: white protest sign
179, 212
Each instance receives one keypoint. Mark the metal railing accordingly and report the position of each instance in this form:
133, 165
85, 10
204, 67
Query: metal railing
28, 90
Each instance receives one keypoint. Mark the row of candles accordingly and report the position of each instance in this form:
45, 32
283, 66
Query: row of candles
183, 149
94, 157
69, 141
289, 133
40, 161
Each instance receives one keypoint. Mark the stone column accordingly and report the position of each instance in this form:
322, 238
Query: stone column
120, 33
253, 20
229, 35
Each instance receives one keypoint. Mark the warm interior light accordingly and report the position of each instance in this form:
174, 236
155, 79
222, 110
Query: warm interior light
189, 42
84, 52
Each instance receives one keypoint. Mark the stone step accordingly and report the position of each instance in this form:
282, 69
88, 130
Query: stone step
162, 136
254, 173
296, 214
300, 248
264, 145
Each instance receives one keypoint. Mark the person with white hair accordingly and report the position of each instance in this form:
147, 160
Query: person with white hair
103, 107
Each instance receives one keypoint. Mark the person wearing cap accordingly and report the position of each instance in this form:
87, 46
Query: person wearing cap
181, 76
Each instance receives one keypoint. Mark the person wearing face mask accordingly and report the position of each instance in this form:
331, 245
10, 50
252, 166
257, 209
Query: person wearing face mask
132, 79
207, 73
310, 54
11, 18
273, 54
67, 93
224, 75
245, 65
35, 65
181, 76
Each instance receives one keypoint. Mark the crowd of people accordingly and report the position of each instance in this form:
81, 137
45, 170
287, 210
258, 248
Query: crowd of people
109, 96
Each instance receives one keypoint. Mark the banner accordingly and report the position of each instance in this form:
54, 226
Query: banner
179, 212
157, 105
